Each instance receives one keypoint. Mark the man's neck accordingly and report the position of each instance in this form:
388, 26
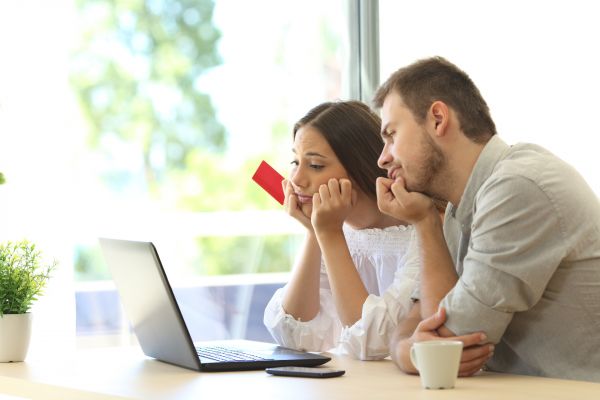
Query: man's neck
462, 157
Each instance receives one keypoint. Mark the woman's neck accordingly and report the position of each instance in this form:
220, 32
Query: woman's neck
366, 214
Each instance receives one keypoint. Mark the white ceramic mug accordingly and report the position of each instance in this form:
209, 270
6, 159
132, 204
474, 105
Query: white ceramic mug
437, 362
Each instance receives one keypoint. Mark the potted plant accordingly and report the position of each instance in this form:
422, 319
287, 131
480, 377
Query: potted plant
22, 279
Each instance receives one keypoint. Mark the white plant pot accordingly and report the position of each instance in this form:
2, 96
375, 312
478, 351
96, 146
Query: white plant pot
15, 332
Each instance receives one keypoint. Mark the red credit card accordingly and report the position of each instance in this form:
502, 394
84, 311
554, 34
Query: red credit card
270, 180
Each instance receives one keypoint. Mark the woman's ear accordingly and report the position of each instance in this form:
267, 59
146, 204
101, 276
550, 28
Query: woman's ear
441, 115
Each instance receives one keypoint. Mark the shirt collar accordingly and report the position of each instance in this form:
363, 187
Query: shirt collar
492, 152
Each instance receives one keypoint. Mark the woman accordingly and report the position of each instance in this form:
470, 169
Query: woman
354, 277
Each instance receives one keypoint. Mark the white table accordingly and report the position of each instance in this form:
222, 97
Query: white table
126, 372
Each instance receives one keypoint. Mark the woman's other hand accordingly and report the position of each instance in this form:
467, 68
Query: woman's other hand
332, 205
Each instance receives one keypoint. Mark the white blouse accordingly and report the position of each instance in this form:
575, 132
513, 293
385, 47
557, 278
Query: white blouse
387, 261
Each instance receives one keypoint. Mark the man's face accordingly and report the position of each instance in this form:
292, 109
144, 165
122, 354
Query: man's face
409, 151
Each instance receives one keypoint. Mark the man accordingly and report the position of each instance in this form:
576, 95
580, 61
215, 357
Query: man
518, 256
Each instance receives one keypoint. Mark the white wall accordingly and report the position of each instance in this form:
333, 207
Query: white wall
536, 62
38, 137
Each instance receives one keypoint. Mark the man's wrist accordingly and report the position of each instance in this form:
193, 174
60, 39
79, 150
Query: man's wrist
431, 221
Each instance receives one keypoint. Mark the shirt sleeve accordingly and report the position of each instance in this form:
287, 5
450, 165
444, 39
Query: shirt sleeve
505, 272
369, 337
319, 334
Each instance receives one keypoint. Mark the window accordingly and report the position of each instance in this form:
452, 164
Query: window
146, 120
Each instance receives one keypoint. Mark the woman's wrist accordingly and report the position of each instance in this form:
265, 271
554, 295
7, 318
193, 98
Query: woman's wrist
325, 236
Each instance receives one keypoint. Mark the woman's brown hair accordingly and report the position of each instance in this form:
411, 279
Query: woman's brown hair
351, 129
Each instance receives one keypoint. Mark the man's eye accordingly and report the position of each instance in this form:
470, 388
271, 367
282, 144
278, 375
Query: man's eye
388, 136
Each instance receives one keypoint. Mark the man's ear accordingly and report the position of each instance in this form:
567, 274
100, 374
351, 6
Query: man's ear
440, 115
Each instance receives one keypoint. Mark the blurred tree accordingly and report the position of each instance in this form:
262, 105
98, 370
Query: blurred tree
212, 184
135, 73
246, 254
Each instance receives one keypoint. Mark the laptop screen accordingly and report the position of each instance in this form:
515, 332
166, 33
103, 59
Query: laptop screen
156, 318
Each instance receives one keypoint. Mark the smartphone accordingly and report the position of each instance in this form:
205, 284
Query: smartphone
306, 372
270, 180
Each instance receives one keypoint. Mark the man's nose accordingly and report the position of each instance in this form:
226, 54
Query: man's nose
384, 157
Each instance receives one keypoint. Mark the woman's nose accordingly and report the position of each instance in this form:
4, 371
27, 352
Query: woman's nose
297, 177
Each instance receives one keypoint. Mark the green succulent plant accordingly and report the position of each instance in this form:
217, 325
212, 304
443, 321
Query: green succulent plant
22, 276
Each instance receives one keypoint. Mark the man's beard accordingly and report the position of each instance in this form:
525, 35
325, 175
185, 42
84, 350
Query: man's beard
431, 169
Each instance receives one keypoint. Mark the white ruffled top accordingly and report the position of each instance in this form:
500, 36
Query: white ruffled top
387, 261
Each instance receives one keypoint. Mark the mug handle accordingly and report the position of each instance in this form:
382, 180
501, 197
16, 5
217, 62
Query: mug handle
413, 357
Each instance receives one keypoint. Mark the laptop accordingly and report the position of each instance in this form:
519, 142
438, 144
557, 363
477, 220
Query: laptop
154, 314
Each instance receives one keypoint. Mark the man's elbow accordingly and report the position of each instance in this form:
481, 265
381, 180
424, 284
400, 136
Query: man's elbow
400, 354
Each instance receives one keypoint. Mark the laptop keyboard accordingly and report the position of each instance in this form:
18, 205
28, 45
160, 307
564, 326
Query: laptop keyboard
217, 353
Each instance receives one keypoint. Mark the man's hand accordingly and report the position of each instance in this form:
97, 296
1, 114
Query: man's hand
332, 204
393, 199
475, 351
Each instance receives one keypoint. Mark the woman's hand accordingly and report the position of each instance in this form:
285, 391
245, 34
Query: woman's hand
293, 207
332, 204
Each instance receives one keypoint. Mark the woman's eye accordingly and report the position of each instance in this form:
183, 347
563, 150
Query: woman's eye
317, 166
294, 163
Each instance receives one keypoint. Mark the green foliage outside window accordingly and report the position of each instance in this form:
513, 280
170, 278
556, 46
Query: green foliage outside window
135, 74
246, 254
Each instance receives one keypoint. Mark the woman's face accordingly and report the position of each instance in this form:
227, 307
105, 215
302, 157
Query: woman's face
313, 165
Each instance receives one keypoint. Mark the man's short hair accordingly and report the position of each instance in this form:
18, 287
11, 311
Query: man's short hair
436, 79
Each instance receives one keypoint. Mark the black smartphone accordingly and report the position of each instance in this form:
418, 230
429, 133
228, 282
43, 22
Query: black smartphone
306, 372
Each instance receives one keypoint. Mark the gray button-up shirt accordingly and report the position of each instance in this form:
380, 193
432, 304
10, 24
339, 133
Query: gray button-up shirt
525, 240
